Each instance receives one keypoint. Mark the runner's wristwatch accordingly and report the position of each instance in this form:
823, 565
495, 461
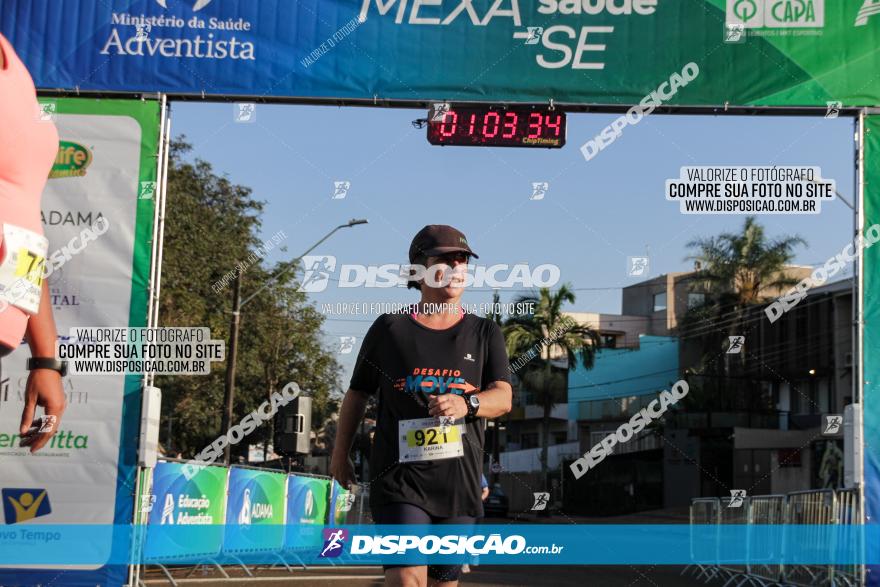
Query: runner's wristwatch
473, 404
46, 363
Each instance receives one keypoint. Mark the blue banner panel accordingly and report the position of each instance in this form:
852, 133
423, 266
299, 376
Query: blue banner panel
255, 516
306, 511
184, 503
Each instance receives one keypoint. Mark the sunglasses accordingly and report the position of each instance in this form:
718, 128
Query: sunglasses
451, 258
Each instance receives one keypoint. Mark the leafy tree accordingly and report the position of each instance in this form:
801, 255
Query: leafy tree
538, 337
211, 226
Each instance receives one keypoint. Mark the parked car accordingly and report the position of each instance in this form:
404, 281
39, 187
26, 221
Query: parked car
496, 504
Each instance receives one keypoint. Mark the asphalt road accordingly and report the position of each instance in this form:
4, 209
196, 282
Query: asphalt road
550, 576
560, 576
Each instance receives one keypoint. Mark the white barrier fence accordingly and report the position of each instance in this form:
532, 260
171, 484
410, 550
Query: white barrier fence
825, 509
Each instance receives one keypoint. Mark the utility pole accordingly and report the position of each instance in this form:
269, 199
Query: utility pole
168, 444
229, 390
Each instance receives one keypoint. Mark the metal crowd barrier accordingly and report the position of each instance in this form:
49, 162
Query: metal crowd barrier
360, 510
822, 513
764, 549
357, 515
294, 540
733, 511
808, 508
704, 511
847, 513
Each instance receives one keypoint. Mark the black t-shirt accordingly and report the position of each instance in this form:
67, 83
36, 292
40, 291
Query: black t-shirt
406, 361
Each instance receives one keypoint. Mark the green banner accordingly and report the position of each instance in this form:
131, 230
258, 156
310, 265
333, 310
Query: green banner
613, 52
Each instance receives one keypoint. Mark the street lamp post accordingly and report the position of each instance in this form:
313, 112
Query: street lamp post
237, 303
229, 387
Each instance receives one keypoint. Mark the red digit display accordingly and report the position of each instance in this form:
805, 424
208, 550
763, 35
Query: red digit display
447, 127
535, 125
553, 124
491, 126
509, 125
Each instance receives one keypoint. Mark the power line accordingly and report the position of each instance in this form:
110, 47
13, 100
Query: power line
727, 322
694, 330
644, 375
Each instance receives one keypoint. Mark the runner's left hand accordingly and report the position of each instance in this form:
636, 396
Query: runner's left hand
447, 404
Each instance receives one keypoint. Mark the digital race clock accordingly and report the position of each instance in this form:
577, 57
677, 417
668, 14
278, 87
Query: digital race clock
490, 126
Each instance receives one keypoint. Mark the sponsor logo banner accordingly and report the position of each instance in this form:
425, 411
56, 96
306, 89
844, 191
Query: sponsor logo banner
22, 505
256, 499
776, 13
106, 148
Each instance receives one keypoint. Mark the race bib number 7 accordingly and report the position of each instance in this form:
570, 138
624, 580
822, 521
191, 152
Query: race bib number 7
429, 439
21, 271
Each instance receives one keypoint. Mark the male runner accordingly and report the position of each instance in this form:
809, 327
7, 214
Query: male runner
425, 364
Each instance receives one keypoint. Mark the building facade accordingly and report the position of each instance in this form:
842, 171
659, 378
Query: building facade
753, 419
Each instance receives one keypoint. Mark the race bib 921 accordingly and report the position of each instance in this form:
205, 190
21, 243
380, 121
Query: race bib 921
429, 439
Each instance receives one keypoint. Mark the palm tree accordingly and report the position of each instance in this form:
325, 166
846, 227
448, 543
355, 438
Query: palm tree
746, 268
493, 315
737, 270
533, 339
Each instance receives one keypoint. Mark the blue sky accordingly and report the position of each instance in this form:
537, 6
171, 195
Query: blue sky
594, 216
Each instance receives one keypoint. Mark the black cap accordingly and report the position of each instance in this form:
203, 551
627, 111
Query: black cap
437, 239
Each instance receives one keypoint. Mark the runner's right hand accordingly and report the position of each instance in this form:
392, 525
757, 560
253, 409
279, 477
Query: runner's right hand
342, 469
